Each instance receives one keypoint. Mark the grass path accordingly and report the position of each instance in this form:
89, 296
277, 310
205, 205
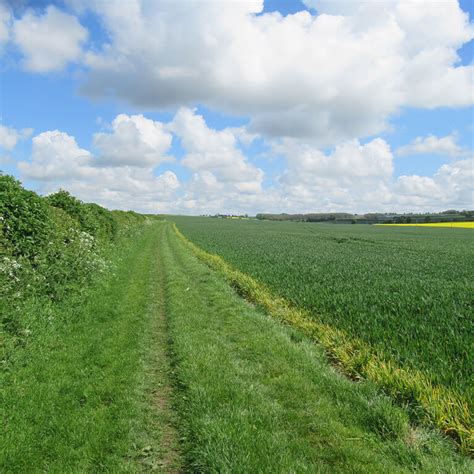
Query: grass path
163, 368
88, 390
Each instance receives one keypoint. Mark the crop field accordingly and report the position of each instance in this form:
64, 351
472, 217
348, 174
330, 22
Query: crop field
406, 292
456, 225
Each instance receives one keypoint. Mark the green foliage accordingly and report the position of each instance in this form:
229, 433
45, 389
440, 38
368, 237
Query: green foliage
107, 226
50, 247
25, 226
71, 259
85, 216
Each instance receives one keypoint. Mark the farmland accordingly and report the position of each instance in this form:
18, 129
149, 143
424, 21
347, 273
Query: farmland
405, 292
456, 225
123, 352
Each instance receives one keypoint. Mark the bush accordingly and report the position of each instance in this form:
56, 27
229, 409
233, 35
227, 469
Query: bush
107, 224
71, 259
25, 226
76, 209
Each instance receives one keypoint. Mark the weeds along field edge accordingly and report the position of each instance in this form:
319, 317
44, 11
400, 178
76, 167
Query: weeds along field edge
440, 406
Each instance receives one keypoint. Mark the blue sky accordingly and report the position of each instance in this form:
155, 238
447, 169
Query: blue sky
400, 147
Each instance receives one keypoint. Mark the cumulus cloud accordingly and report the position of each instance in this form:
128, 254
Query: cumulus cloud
431, 144
135, 141
215, 153
48, 41
353, 176
122, 172
56, 156
5, 24
125, 188
58, 161
9, 137
335, 75
451, 186
357, 177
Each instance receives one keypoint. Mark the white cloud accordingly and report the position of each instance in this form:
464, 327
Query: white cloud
352, 177
123, 173
135, 141
431, 144
56, 156
125, 188
57, 161
452, 186
216, 152
333, 76
49, 41
9, 137
5, 24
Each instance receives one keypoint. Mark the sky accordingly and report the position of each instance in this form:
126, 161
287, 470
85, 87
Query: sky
231, 106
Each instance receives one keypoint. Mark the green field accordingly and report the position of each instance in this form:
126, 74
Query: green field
162, 367
121, 351
407, 291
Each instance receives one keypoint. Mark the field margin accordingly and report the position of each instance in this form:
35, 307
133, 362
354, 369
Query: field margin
439, 406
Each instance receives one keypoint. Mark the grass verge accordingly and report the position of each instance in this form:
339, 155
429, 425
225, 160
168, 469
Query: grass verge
436, 404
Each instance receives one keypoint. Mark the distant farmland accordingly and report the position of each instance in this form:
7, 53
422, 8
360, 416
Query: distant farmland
456, 225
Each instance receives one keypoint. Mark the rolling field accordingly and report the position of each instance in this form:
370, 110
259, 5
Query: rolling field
405, 292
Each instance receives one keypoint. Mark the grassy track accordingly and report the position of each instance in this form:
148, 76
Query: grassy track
87, 391
254, 396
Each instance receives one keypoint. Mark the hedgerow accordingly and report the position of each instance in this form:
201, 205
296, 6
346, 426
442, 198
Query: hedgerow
51, 246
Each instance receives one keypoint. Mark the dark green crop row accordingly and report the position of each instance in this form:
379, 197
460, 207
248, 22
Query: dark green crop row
407, 292
50, 246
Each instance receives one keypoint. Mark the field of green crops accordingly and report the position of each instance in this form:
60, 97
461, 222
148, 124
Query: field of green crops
408, 292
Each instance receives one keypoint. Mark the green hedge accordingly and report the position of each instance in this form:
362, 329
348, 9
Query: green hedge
50, 246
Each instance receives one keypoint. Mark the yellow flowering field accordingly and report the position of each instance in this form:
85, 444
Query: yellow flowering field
458, 225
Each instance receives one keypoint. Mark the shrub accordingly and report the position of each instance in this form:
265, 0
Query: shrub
50, 247
25, 226
76, 209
